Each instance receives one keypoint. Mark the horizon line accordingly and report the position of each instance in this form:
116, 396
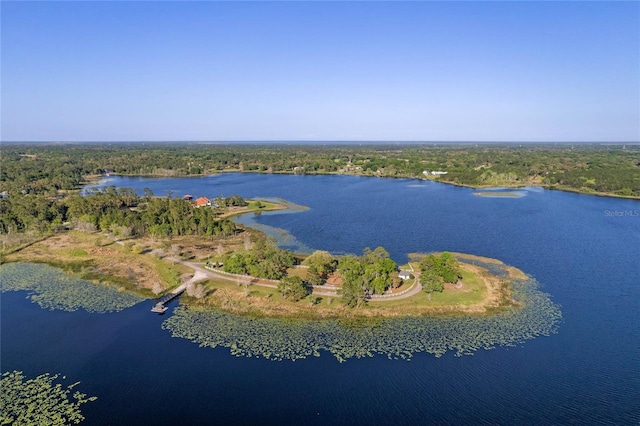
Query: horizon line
320, 141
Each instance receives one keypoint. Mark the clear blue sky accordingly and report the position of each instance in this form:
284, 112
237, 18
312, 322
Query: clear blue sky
348, 71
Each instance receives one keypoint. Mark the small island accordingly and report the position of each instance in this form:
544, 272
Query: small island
498, 194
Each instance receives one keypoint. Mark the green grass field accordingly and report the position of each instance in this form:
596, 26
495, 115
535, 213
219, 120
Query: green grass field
474, 292
263, 205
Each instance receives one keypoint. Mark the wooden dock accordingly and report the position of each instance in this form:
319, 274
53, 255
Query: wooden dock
160, 307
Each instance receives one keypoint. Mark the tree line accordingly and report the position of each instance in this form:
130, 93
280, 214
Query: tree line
120, 211
49, 169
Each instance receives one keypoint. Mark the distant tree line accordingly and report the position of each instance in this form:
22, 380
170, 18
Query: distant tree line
49, 169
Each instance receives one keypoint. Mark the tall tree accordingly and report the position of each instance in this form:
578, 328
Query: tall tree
449, 268
431, 282
354, 285
292, 287
313, 276
321, 264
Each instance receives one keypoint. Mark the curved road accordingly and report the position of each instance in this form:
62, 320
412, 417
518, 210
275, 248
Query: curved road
202, 273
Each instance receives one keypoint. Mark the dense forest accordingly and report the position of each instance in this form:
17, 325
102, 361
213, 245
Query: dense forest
39, 183
119, 211
50, 169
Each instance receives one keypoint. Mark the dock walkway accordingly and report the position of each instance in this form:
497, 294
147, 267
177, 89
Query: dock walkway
160, 306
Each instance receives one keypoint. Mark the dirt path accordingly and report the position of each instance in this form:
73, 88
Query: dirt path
198, 276
415, 289
201, 273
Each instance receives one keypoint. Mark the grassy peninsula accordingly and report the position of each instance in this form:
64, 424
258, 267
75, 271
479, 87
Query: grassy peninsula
242, 288
149, 267
122, 256
148, 244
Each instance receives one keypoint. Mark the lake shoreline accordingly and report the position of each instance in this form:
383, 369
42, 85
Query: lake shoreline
463, 185
573, 332
86, 255
263, 301
97, 258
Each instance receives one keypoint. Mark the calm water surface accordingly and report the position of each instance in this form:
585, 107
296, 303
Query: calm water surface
587, 373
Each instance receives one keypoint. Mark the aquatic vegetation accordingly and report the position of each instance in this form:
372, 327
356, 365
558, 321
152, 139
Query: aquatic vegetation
39, 401
282, 237
52, 289
279, 339
500, 194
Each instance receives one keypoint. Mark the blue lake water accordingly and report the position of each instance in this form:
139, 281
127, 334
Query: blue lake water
586, 256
